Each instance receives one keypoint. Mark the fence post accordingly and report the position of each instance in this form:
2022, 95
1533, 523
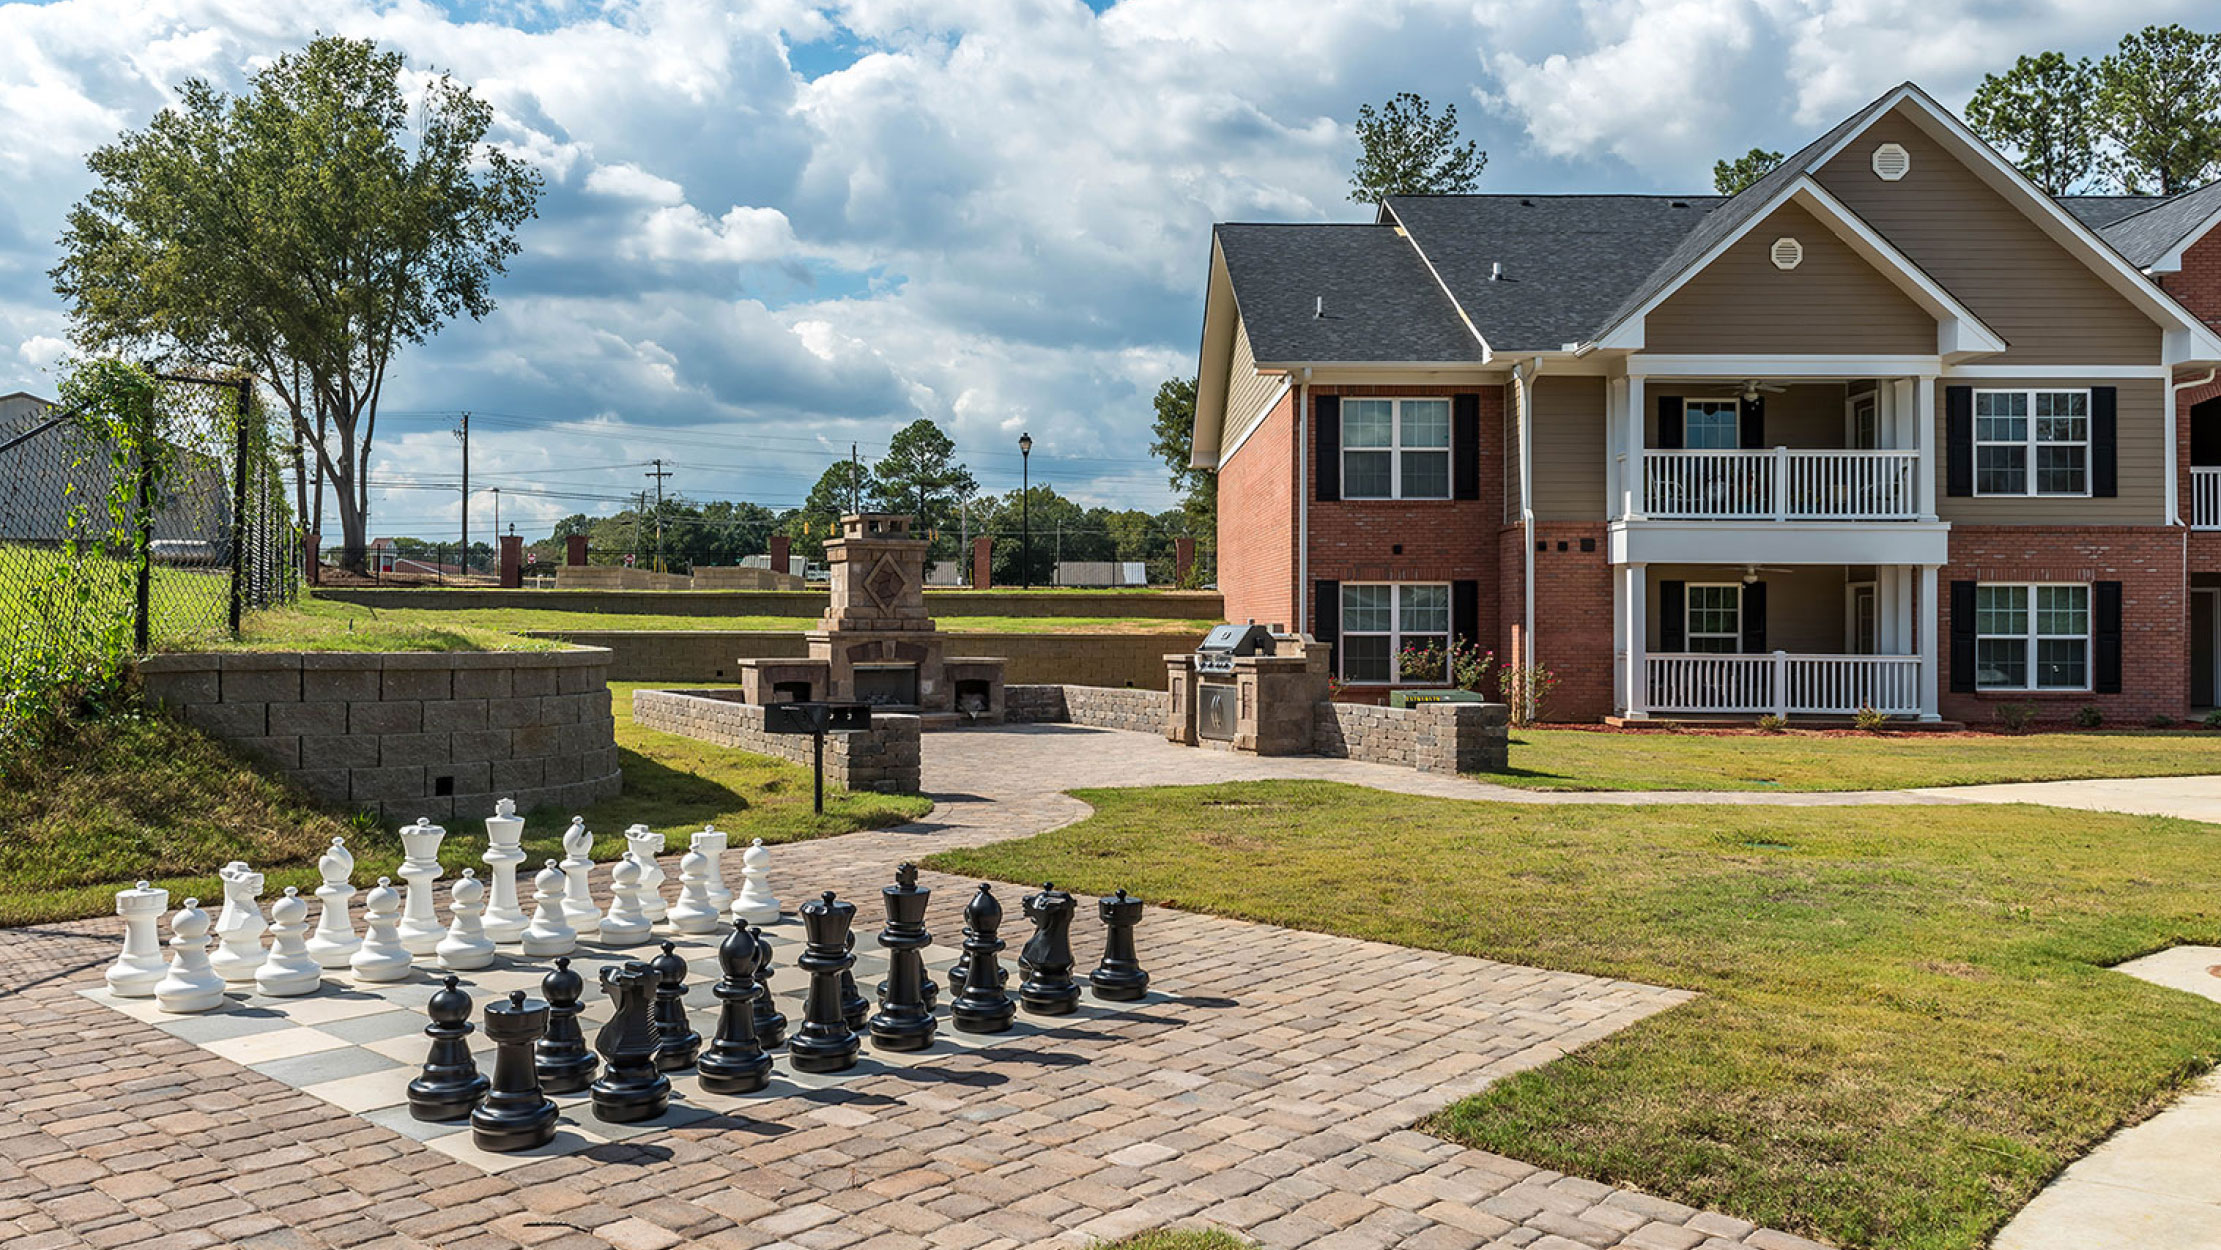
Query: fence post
143, 589
239, 505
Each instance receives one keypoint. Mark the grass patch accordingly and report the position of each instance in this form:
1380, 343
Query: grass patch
1179, 1239
1906, 1026
1582, 759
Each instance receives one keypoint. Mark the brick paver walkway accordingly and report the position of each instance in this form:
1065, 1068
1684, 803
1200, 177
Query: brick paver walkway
1270, 1093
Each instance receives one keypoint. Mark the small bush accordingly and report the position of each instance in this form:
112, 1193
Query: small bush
1771, 724
2213, 719
1868, 720
2016, 717
2088, 716
2161, 720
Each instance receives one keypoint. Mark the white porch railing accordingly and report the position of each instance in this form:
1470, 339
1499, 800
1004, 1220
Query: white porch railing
1782, 484
2205, 497
1784, 684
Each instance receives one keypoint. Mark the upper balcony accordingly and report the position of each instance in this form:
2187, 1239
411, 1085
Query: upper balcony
1780, 484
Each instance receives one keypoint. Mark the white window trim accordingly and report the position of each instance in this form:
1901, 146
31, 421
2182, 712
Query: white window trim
2031, 639
1689, 631
1396, 449
2030, 443
1394, 632
1732, 401
1872, 589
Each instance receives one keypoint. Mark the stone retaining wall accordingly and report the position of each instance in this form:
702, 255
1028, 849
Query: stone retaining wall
1431, 737
714, 655
1103, 707
947, 606
408, 734
884, 759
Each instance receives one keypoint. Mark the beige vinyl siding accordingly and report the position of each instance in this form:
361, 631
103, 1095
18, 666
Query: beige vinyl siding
1568, 469
2140, 448
1807, 415
1247, 391
1832, 302
1804, 608
2049, 307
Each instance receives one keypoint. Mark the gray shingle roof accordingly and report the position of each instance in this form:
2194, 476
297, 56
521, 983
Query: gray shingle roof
2146, 236
1381, 304
2100, 211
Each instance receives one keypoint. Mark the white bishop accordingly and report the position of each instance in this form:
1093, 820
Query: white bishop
334, 942
578, 889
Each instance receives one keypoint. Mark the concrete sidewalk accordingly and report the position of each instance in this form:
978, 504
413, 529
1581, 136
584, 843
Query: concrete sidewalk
2191, 798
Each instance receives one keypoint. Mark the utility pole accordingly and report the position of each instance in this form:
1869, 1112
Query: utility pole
463, 432
855, 480
497, 521
659, 473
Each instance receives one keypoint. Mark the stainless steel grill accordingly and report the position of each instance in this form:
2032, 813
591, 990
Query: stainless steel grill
1225, 643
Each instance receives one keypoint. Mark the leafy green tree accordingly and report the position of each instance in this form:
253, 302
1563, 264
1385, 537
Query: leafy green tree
2040, 113
1731, 177
303, 231
1174, 442
1404, 149
2159, 105
841, 489
921, 475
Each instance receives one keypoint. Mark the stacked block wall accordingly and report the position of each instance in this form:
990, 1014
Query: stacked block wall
885, 758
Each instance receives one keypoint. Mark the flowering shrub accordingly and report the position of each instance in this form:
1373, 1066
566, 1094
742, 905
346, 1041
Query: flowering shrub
1463, 664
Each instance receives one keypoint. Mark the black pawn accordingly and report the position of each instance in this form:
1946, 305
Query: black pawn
771, 1023
1120, 977
855, 1008
981, 1006
905, 1020
630, 1087
515, 1115
1049, 989
734, 1062
825, 1043
561, 1058
451, 1086
676, 1041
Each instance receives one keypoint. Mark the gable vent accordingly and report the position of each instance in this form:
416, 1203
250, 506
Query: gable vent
1892, 162
1787, 253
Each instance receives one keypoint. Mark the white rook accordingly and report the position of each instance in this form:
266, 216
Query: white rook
139, 968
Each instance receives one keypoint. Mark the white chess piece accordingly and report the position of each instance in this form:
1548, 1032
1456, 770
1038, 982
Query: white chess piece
627, 920
190, 984
505, 919
694, 912
139, 968
711, 841
645, 844
421, 929
334, 941
466, 947
290, 971
240, 926
382, 956
549, 935
579, 911
755, 903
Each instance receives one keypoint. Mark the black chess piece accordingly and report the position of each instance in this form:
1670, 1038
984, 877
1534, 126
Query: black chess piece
855, 1008
564, 1063
1049, 989
825, 1043
630, 1087
451, 1086
1120, 977
981, 1006
771, 1023
905, 1020
735, 1063
677, 1044
515, 1115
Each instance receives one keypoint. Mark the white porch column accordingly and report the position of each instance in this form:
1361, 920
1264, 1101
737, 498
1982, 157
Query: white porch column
1632, 508
1634, 582
1888, 640
1924, 405
1930, 618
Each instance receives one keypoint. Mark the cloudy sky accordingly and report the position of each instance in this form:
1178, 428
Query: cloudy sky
772, 227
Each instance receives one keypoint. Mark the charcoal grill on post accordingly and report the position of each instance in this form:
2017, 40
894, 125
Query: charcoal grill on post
1216, 706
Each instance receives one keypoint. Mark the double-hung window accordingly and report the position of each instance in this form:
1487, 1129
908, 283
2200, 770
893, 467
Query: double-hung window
1382, 621
1711, 424
1395, 449
2032, 442
2031, 637
1715, 619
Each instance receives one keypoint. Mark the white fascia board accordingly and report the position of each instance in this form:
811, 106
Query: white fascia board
1819, 368
1788, 543
1389, 214
1213, 372
1286, 384
1378, 366
2065, 372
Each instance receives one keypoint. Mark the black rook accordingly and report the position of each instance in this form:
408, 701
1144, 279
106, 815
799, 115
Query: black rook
1120, 977
515, 1115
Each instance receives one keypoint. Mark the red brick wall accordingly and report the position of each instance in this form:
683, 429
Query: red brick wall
2198, 286
2148, 561
1257, 521
1573, 616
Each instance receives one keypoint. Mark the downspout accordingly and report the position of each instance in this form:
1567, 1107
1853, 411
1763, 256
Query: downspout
1523, 379
1301, 625
2174, 417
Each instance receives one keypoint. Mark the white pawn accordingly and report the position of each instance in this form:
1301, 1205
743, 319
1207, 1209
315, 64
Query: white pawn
139, 968
382, 957
695, 913
239, 927
290, 971
645, 844
421, 929
627, 921
466, 947
190, 984
505, 920
579, 911
711, 841
755, 904
334, 941
548, 934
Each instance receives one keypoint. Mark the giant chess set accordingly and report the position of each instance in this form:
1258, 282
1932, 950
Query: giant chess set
346, 1015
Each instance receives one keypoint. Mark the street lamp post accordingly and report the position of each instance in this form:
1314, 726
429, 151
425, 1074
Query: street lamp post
1025, 510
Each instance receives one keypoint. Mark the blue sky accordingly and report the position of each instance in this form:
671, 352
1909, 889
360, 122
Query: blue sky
775, 228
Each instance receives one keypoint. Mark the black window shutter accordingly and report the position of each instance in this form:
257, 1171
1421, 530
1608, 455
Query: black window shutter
1465, 447
1962, 635
1465, 610
1326, 609
1754, 619
1751, 422
1327, 418
2105, 426
1669, 422
1673, 622
1958, 444
2105, 629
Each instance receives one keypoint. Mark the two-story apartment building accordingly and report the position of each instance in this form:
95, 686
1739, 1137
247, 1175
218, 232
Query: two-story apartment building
1892, 429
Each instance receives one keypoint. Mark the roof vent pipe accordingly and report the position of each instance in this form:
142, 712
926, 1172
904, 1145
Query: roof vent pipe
1318, 310
1496, 271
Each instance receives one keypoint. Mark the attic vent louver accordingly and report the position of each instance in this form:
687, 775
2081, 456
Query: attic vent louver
1787, 253
1892, 162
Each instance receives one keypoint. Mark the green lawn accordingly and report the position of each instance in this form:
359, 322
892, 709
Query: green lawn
1906, 1025
185, 606
1179, 1239
1581, 759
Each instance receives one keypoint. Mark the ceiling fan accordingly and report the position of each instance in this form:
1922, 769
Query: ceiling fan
1751, 572
1752, 388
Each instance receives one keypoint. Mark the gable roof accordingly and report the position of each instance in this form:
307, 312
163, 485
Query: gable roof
2153, 237
2100, 211
1340, 293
